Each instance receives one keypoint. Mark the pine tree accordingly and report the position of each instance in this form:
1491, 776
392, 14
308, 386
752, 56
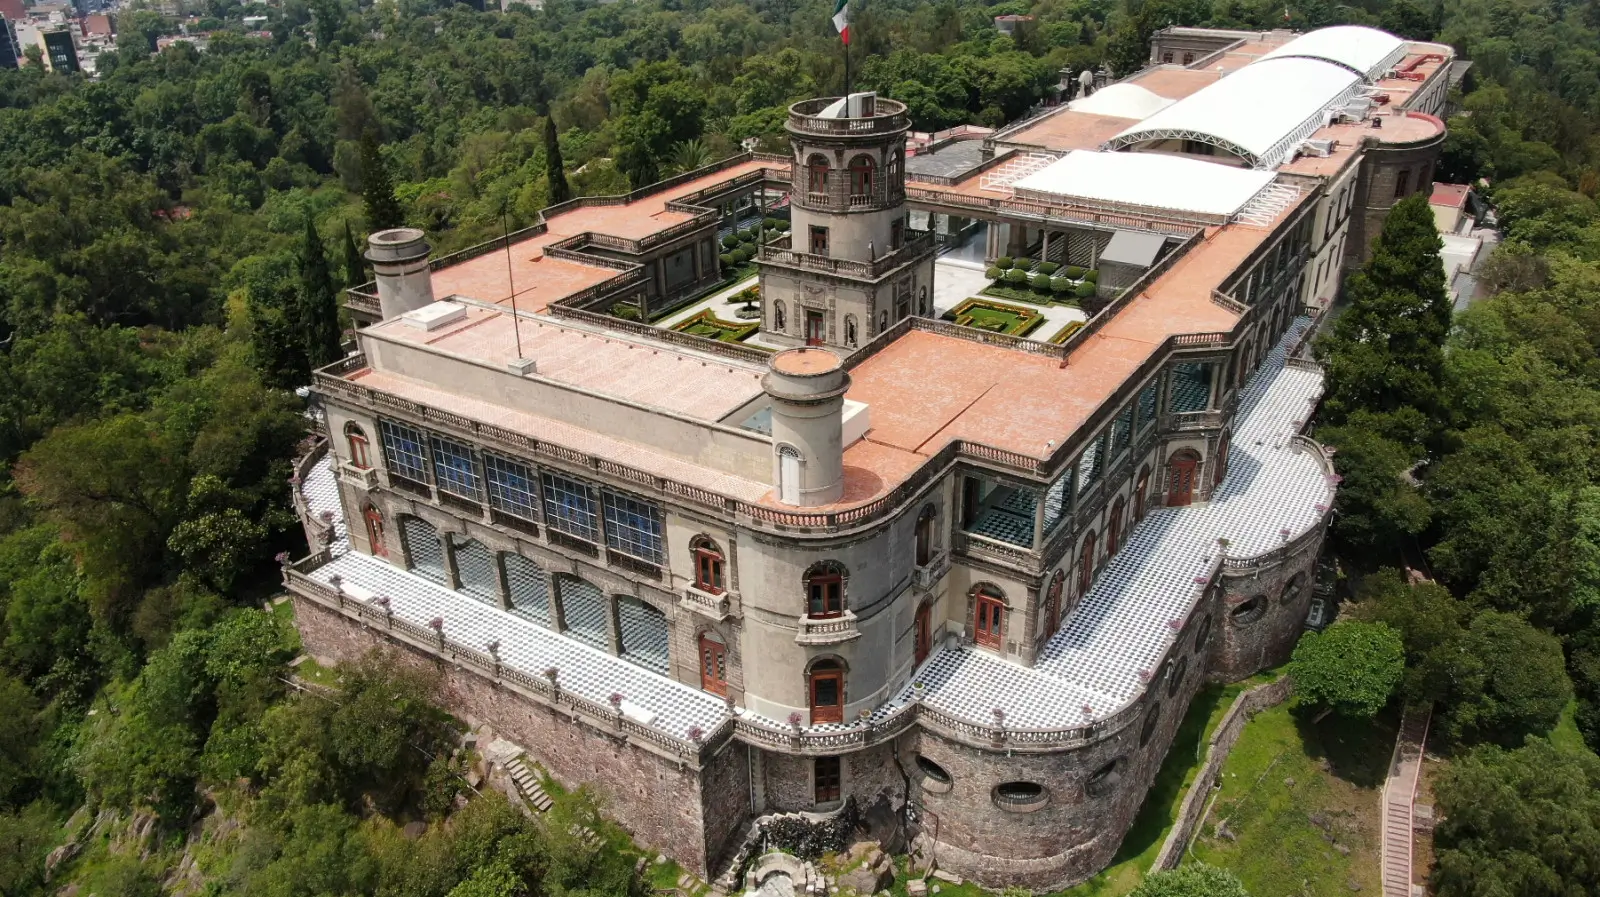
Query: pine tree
555, 169
355, 267
1387, 348
377, 189
317, 317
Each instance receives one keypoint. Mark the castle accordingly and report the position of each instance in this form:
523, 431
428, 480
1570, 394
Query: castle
969, 575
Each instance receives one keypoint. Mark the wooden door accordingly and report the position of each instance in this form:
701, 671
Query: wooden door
827, 695
375, 533
1086, 566
1180, 481
989, 623
814, 328
924, 633
713, 666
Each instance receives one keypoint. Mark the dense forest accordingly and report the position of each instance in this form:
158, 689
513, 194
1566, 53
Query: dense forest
173, 237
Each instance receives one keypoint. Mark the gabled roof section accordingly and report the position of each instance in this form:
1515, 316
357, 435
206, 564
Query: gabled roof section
1366, 51
1260, 112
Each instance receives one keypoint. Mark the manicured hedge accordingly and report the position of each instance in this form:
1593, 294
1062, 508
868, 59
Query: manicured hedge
1085, 290
1074, 272
1061, 284
730, 241
1024, 263
994, 272
1048, 268
1041, 282
1004, 263
1017, 276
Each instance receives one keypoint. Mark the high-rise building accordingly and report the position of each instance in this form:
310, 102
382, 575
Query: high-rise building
60, 52
10, 52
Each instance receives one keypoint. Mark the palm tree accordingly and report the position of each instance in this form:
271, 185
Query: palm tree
690, 155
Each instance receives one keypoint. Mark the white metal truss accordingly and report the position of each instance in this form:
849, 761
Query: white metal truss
1272, 158
1001, 179
1265, 207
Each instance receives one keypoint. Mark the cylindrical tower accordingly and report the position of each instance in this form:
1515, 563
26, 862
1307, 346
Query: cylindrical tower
849, 163
399, 260
807, 388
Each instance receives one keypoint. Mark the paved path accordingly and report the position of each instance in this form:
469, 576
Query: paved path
955, 281
1399, 797
718, 300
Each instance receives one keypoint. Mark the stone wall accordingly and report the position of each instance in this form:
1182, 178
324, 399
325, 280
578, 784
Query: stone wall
658, 801
1249, 643
1245, 706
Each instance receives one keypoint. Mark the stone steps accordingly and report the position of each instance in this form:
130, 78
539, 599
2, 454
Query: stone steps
527, 782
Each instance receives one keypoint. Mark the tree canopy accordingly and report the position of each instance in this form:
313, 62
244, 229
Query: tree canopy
1191, 880
1351, 667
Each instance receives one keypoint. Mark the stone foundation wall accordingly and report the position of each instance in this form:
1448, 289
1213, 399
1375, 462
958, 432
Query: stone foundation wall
1243, 646
656, 800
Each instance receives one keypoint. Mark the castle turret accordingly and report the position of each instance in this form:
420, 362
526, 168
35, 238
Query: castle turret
399, 258
851, 268
807, 388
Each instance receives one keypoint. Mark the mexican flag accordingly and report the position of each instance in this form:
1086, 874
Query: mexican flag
841, 19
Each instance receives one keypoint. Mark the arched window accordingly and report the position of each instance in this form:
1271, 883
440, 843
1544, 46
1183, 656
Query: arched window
894, 169
476, 572
825, 590
713, 663
1175, 676
925, 535
1219, 466
1244, 361
1114, 528
1180, 477
850, 331
1202, 635
922, 301
424, 552
923, 631
817, 174
988, 616
1086, 565
883, 321
777, 315
1052, 604
1105, 779
708, 570
1141, 494
584, 609
528, 586
861, 171
375, 535
356, 440
825, 686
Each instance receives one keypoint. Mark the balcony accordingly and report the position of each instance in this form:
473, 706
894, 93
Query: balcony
364, 478
889, 116
705, 603
925, 577
827, 630
778, 253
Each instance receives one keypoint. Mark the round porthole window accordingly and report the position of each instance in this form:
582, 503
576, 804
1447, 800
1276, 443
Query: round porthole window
1250, 611
935, 778
1150, 722
1020, 797
1176, 674
1203, 634
1105, 779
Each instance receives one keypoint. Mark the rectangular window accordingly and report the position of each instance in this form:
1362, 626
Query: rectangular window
454, 469
569, 506
1166, 58
511, 487
1122, 431
826, 597
1089, 465
404, 451
819, 240
708, 571
1402, 184
633, 527
896, 234
1147, 405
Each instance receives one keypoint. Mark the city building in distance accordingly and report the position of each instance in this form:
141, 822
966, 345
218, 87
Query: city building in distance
861, 547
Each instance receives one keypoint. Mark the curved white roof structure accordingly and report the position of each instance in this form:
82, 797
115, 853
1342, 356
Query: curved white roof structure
1122, 101
1148, 180
1260, 112
1366, 51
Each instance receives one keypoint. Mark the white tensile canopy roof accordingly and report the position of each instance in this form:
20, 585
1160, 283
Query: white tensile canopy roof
1366, 51
1260, 112
1122, 101
1149, 180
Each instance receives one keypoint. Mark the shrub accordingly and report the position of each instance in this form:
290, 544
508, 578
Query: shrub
1024, 263
772, 223
1084, 290
1061, 284
1074, 272
1041, 282
728, 261
1003, 262
1048, 267
1017, 276
625, 311
1092, 276
730, 241
994, 272
748, 233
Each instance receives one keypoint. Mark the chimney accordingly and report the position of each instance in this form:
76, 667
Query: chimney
399, 260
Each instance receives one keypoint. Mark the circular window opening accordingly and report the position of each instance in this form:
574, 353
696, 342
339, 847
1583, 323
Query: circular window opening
1104, 780
1203, 634
1150, 725
1020, 796
1292, 590
1175, 677
1250, 611
932, 770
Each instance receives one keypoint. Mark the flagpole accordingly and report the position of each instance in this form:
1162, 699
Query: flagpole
847, 66
516, 325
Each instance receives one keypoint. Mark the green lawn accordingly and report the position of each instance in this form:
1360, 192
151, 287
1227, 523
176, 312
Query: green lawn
995, 317
1300, 804
709, 325
317, 674
1028, 295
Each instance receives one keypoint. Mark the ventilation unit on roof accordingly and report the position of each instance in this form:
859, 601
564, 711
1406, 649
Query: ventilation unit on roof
1321, 148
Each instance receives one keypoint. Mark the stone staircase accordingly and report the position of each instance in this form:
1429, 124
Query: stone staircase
527, 782
1399, 797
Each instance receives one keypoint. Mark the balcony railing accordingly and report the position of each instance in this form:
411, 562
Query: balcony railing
706, 604
778, 252
827, 630
360, 477
888, 117
928, 575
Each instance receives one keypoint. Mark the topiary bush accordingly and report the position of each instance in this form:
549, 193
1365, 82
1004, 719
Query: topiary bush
728, 259
772, 223
994, 272
1084, 290
730, 241
1061, 284
1017, 276
1040, 282
1075, 272
1003, 263
1024, 263
1048, 268
1091, 276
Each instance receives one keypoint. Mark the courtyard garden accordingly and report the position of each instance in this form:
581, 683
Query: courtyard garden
739, 248
1040, 283
995, 317
708, 325
1066, 332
